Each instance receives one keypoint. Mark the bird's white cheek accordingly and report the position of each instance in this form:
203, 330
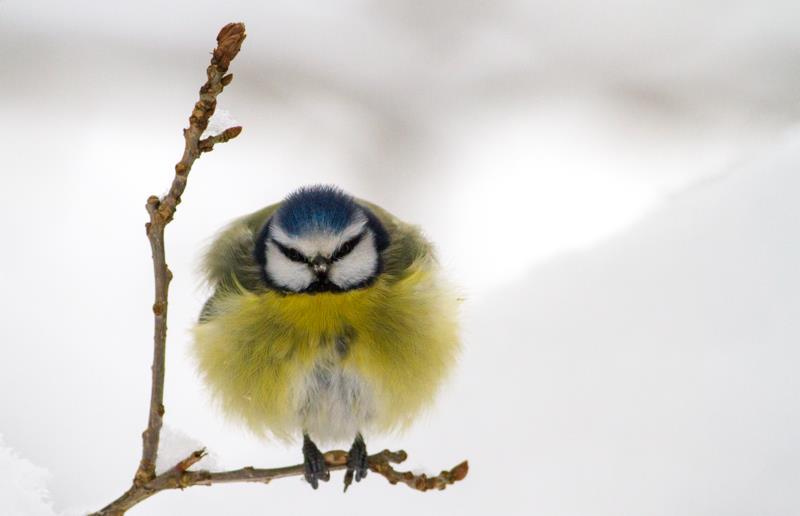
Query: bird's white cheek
357, 267
286, 273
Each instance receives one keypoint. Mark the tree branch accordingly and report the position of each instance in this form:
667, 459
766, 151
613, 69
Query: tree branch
161, 211
178, 477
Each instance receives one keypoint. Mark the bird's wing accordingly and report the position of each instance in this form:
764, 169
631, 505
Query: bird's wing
229, 264
407, 244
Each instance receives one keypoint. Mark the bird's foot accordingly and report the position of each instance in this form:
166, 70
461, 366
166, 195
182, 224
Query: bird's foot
314, 462
357, 463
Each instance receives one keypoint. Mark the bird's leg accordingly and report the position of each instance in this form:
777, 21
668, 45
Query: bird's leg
357, 463
314, 462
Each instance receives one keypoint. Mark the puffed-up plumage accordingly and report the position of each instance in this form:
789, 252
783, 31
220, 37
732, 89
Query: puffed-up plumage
357, 356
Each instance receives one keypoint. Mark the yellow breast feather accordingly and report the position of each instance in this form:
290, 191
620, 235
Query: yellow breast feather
399, 335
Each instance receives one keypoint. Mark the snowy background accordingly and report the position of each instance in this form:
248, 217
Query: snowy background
613, 184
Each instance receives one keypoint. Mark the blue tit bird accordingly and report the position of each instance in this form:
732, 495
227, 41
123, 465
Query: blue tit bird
329, 319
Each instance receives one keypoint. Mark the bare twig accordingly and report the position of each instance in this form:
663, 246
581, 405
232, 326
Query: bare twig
178, 477
422, 482
161, 211
207, 144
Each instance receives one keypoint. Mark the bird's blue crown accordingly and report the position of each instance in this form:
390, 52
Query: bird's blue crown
319, 208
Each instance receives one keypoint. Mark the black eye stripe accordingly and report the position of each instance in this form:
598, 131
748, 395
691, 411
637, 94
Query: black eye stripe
292, 254
347, 247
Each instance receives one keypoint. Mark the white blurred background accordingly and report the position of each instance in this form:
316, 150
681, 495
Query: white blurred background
613, 185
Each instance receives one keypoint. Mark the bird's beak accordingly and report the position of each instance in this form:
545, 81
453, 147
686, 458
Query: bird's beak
319, 265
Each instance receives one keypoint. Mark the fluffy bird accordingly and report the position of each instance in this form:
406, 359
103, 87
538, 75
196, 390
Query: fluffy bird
328, 319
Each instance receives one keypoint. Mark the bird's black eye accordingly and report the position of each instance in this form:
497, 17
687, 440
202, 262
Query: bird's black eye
295, 256
346, 247
292, 254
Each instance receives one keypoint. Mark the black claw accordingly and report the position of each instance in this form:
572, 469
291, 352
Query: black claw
314, 462
357, 463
